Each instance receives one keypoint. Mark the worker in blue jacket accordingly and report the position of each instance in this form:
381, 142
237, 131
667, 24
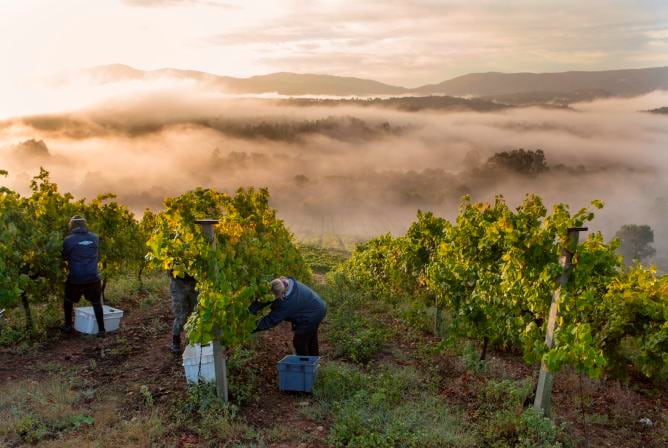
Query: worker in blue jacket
81, 252
301, 306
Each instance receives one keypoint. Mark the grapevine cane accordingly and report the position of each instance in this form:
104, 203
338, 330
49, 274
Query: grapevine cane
219, 364
543, 401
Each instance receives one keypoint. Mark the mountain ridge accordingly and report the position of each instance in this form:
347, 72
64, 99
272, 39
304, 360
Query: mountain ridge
616, 82
622, 82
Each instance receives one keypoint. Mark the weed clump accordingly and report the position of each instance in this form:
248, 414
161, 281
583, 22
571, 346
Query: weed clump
391, 407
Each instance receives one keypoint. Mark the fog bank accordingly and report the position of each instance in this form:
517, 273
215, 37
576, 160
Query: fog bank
356, 171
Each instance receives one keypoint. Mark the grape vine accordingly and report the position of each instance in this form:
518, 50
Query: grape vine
32, 229
252, 246
494, 270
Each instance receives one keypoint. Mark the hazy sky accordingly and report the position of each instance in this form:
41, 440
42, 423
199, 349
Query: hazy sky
402, 42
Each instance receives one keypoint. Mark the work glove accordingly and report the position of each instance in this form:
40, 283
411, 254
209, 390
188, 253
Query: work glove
256, 307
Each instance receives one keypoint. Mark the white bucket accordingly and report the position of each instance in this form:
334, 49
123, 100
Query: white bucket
84, 319
198, 363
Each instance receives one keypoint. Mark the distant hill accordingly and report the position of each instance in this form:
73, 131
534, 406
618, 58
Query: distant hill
114, 72
511, 88
556, 99
407, 103
282, 83
615, 82
660, 110
298, 84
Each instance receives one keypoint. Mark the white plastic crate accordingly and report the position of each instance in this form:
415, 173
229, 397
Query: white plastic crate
198, 363
84, 319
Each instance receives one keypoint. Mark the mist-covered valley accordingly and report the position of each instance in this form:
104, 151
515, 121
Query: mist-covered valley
354, 168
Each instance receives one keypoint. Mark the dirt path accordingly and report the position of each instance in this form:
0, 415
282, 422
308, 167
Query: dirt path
138, 354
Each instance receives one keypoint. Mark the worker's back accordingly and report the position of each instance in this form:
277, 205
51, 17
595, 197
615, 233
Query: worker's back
81, 251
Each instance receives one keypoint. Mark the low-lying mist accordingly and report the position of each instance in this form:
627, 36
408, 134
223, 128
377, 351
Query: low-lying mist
346, 169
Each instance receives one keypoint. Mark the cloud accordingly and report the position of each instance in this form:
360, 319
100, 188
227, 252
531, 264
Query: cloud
657, 34
450, 38
167, 3
397, 42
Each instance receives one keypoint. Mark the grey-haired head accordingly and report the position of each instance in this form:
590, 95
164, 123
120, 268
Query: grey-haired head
279, 286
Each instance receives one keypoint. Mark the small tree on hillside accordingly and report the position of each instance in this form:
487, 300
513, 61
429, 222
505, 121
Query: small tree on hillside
519, 161
635, 242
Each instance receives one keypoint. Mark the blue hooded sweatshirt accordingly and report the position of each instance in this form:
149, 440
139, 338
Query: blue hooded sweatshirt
302, 307
81, 250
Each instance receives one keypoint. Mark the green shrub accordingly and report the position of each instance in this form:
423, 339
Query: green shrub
242, 376
11, 335
369, 420
201, 411
536, 431
415, 315
46, 316
499, 429
356, 338
505, 394
384, 409
32, 429
471, 358
397, 385
337, 381
504, 423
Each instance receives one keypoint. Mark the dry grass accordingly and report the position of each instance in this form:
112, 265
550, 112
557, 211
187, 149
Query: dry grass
31, 411
139, 431
53, 413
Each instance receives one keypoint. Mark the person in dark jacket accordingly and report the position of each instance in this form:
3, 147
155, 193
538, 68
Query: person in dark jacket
184, 300
301, 306
81, 252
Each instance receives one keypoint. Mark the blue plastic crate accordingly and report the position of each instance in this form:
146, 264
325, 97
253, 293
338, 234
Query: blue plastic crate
298, 373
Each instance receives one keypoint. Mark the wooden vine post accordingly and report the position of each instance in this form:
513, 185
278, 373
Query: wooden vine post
219, 363
543, 401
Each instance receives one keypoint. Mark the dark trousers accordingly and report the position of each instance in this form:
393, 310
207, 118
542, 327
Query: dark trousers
184, 300
91, 292
306, 344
